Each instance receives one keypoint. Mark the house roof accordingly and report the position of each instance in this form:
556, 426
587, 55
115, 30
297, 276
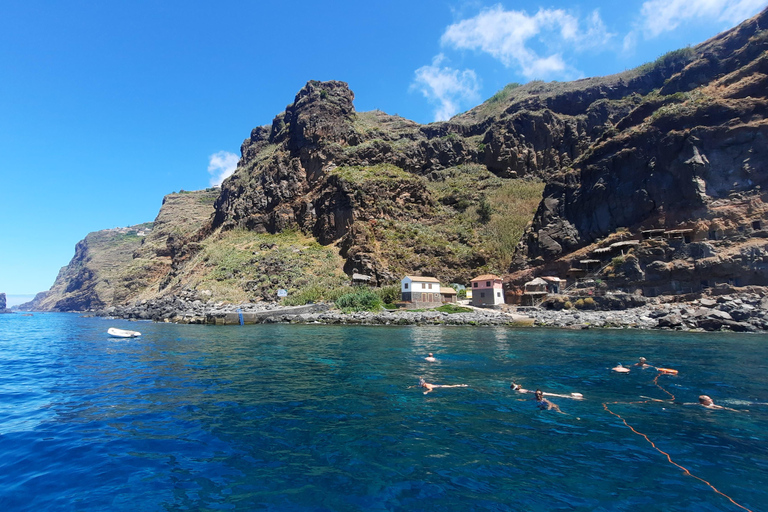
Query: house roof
536, 282
423, 279
447, 290
551, 278
360, 277
626, 243
485, 277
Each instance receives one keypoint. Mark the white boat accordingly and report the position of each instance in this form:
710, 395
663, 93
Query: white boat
122, 333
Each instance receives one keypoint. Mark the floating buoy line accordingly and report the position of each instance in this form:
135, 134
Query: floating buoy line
667, 371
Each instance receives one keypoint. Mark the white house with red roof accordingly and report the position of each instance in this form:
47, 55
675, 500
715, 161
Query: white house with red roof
424, 291
487, 290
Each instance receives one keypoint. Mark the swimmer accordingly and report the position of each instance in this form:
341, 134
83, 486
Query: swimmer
430, 358
620, 369
429, 387
520, 389
642, 364
543, 403
706, 401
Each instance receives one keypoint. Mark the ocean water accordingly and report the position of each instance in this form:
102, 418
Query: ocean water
316, 418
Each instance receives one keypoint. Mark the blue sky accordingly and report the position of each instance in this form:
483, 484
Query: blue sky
105, 107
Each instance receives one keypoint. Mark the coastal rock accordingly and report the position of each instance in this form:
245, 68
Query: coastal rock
676, 160
671, 321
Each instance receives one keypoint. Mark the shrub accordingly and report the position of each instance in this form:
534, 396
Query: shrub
568, 305
389, 294
453, 308
484, 211
617, 262
361, 299
304, 296
588, 303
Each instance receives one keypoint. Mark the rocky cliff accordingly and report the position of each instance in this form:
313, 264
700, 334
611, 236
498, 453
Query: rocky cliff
324, 190
117, 265
688, 161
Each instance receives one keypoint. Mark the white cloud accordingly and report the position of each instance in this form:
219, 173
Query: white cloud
510, 37
658, 16
221, 165
630, 42
447, 87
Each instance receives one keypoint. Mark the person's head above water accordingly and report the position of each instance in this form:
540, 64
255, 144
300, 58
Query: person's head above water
642, 360
706, 400
539, 395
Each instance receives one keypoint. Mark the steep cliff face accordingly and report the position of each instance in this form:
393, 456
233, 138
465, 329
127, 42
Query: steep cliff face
678, 144
330, 171
88, 281
117, 265
699, 140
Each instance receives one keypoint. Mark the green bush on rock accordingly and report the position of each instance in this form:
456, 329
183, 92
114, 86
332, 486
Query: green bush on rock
361, 299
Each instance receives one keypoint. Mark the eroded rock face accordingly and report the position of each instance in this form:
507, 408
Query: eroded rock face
290, 173
673, 159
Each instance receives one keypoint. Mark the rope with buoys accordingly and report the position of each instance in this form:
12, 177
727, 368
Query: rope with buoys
669, 458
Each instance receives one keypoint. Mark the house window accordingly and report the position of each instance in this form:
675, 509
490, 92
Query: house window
482, 294
474, 285
405, 286
430, 286
498, 294
488, 284
423, 286
756, 224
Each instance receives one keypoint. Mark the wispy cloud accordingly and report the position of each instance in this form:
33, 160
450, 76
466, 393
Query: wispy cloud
447, 87
512, 37
221, 165
659, 16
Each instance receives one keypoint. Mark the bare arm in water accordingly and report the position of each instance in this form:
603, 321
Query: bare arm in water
429, 387
520, 389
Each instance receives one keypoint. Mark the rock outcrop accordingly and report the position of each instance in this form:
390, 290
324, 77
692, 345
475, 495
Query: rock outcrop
656, 174
679, 157
117, 265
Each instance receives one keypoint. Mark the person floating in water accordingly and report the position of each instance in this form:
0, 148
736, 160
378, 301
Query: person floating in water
619, 368
544, 404
430, 358
429, 387
520, 389
642, 364
706, 401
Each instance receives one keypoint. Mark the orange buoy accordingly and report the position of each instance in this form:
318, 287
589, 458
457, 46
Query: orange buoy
667, 371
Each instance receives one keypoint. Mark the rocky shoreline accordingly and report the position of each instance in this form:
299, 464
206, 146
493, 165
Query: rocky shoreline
744, 312
739, 313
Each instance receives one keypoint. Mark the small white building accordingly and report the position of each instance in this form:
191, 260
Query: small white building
424, 291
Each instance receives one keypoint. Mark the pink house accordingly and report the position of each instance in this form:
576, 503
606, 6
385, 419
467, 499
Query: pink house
487, 290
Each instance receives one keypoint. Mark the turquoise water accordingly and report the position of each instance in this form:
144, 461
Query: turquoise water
314, 418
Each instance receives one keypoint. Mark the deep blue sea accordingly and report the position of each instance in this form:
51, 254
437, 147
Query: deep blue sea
316, 418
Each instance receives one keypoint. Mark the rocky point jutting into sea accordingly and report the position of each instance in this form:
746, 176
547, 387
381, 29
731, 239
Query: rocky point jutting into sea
647, 185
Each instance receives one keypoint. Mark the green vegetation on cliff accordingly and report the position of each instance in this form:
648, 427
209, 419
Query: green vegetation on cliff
242, 266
